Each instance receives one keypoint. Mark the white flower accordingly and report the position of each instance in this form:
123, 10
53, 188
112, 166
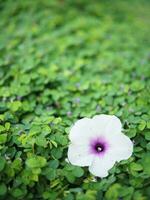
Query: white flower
98, 143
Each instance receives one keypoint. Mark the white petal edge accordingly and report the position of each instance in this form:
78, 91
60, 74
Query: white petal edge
106, 124
81, 131
101, 165
121, 150
79, 155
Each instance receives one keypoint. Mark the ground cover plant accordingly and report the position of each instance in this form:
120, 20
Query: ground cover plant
61, 61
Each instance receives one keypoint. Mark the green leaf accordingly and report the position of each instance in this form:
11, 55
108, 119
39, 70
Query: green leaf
2, 128
17, 193
56, 153
1, 117
145, 162
16, 164
147, 135
142, 125
9, 171
148, 124
50, 173
3, 189
61, 139
41, 141
54, 164
131, 133
78, 172
148, 146
15, 105
36, 171
113, 192
136, 166
2, 163
70, 177
137, 85
3, 138
7, 126
36, 162
54, 143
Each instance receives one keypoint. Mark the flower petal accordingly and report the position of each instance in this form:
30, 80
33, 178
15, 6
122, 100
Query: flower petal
122, 149
106, 124
101, 165
79, 155
81, 131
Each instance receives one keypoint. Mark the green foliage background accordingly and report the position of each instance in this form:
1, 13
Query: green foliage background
61, 61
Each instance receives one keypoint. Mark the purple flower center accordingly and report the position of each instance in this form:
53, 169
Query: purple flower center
98, 146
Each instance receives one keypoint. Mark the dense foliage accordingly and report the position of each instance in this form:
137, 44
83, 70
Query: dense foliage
61, 61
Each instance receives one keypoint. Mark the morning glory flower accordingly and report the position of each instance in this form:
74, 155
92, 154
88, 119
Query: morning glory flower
98, 143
